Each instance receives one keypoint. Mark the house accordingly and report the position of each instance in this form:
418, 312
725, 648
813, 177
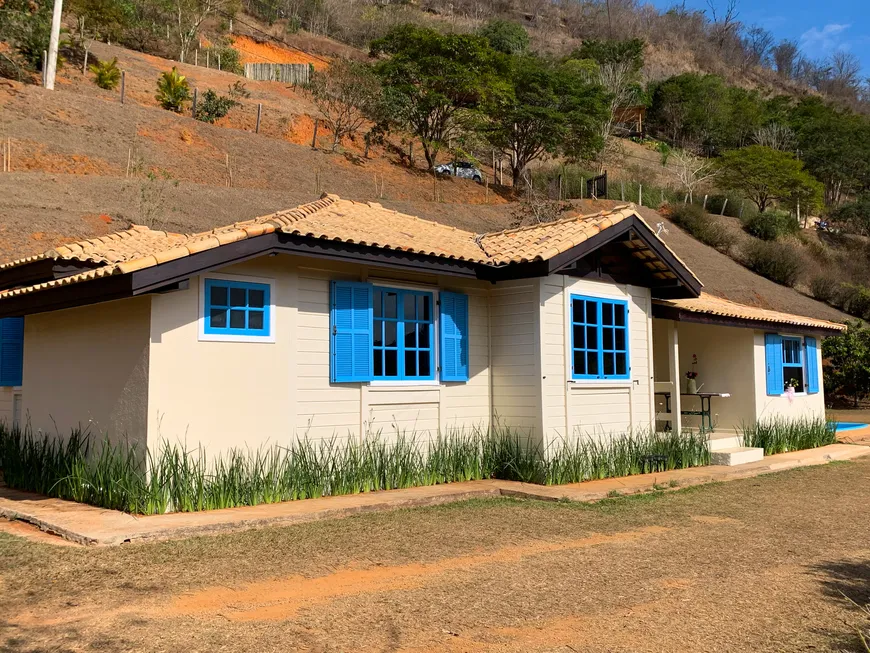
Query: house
339, 319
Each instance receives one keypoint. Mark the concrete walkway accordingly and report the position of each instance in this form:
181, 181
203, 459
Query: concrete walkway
88, 525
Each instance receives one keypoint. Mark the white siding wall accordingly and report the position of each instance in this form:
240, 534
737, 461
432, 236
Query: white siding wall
7, 404
593, 407
802, 405
516, 355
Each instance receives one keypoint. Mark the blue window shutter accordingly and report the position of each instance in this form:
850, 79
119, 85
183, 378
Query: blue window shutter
350, 327
812, 365
773, 363
11, 351
454, 337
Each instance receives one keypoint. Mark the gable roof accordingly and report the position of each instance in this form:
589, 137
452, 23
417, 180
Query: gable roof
331, 220
708, 308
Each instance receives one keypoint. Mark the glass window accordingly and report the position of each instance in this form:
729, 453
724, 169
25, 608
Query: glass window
404, 333
793, 364
236, 308
599, 338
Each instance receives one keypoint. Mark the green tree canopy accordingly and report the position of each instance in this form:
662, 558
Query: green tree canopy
691, 110
847, 361
765, 175
612, 51
430, 76
548, 109
505, 36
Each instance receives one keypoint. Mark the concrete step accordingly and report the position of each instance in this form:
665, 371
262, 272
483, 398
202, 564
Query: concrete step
722, 441
736, 456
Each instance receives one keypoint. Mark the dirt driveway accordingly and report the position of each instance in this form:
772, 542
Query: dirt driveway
754, 565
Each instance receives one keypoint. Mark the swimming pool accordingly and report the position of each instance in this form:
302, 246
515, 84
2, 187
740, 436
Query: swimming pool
848, 426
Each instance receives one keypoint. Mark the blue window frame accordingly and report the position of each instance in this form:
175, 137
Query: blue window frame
237, 308
403, 334
793, 363
599, 338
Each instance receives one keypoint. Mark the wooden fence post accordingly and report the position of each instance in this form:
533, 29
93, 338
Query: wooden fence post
640, 194
704, 206
314, 138
259, 115
724, 204
219, 60
411, 153
196, 57
195, 99
123, 85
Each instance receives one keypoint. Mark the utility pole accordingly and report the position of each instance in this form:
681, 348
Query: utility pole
54, 41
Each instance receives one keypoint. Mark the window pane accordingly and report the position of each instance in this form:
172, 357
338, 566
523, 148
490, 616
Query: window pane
409, 302
607, 333
378, 327
423, 336
410, 363
425, 367
219, 296
579, 362
391, 362
424, 308
592, 337
579, 337
255, 319
389, 334
620, 340
237, 319
621, 364
410, 335
619, 315
591, 313
218, 318
238, 297
378, 303
577, 313
390, 301
592, 363
609, 364
379, 362
607, 314
256, 298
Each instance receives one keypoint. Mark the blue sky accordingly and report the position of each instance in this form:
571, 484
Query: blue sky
819, 27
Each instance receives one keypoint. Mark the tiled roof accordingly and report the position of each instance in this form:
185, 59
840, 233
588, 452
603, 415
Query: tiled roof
331, 218
710, 305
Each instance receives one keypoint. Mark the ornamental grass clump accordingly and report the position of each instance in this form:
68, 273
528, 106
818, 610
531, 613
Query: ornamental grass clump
780, 435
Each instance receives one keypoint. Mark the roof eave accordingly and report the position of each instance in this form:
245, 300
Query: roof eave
668, 312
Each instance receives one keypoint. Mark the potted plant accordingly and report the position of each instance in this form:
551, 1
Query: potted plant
692, 376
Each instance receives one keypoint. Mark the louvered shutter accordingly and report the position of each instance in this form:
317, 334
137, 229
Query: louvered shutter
454, 337
773, 363
812, 365
11, 351
350, 326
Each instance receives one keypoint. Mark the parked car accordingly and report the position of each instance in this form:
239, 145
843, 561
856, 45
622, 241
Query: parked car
462, 169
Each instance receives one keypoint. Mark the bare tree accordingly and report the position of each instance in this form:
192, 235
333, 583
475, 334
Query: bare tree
785, 56
618, 79
189, 16
758, 44
346, 94
776, 136
724, 26
844, 74
692, 170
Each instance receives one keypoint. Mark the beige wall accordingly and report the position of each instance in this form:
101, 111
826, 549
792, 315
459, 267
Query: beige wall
803, 405
226, 394
88, 366
572, 408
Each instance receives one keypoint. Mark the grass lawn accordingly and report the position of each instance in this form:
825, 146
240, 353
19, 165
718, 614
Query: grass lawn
752, 565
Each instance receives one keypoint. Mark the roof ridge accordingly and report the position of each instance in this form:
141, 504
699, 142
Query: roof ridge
600, 214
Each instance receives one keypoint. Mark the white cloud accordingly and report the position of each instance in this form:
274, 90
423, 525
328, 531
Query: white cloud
822, 41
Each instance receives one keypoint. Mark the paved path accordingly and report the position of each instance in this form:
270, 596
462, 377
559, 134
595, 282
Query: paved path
89, 525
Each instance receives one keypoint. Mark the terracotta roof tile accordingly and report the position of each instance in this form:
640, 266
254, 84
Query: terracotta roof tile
711, 305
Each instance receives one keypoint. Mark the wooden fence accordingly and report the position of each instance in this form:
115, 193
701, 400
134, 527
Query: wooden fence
289, 73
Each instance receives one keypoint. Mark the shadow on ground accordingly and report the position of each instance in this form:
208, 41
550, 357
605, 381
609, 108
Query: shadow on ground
848, 582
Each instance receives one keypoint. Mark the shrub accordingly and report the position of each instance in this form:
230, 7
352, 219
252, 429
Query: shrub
778, 261
230, 58
855, 299
709, 229
854, 217
779, 435
172, 90
825, 288
771, 225
213, 107
107, 75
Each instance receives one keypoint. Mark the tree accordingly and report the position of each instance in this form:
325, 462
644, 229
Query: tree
692, 110
765, 176
189, 15
346, 94
785, 56
775, 136
853, 217
505, 36
549, 109
173, 90
97, 18
692, 170
428, 77
847, 361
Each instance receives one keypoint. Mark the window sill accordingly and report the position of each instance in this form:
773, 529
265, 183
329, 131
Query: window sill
213, 337
601, 383
405, 385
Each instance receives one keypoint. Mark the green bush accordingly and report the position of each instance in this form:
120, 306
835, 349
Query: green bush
230, 58
172, 90
825, 288
709, 229
771, 225
107, 75
779, 435
778, 261
174, 478
854, 299
213, 107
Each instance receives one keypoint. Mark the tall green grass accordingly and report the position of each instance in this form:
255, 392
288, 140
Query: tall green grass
780, 435
124, 476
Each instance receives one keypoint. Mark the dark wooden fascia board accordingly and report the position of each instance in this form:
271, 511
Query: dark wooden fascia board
58, 298
678, 315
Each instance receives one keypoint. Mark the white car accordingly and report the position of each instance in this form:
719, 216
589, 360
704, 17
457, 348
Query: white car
462, 169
